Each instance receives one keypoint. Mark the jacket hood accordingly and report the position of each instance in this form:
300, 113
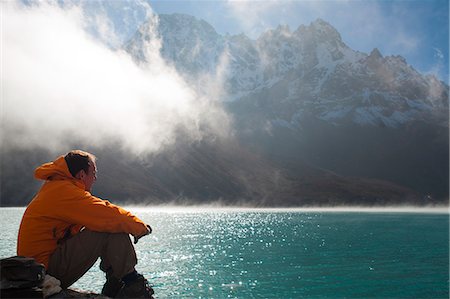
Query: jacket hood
57, 169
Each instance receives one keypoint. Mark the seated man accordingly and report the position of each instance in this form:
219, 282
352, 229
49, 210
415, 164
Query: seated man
67, 229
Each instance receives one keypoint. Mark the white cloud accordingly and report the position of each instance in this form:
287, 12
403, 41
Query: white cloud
438, 53
404, 42
252, 15
438, 69
60, 84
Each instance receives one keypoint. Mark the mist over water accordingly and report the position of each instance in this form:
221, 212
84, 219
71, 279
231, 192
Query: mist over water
220, 207
64, 82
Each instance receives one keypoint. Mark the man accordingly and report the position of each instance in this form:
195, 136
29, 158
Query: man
66, 228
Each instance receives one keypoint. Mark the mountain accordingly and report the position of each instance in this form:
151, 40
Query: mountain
305, 96
310, 70
221, 172
316, 123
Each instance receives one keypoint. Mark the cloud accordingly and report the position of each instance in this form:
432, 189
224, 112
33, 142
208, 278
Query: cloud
252, 15
404, 42
438, 53
61, 85
438, 69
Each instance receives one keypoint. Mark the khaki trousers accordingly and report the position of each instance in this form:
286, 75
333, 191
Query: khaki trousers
72, 259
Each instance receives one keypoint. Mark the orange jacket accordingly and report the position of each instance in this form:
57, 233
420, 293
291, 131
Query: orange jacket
62, 206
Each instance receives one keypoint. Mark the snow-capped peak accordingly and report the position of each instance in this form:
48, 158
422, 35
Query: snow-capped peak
308, 70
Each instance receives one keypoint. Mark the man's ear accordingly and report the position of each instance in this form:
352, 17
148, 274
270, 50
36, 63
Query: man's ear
80, 175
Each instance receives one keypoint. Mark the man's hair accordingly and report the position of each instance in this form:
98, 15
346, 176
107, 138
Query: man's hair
78, 160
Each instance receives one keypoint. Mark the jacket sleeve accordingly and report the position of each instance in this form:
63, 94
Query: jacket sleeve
99, 215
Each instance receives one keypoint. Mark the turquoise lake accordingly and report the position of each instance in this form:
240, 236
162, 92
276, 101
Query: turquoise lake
251, 253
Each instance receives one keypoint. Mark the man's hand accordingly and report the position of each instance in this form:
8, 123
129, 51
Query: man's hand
149, 231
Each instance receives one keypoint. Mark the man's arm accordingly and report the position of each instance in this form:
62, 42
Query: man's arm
99, 215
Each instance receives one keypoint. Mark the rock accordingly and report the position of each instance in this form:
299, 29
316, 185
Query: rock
37, 293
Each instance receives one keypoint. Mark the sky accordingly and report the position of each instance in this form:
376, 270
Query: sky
418, 30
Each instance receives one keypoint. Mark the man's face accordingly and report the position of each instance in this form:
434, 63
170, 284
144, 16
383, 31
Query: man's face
90, 177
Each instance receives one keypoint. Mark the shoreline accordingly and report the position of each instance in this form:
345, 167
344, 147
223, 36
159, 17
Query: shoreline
437, 209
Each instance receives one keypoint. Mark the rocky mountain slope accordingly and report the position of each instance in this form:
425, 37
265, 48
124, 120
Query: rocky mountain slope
218, 173
309, 70
305, 96
316, 123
